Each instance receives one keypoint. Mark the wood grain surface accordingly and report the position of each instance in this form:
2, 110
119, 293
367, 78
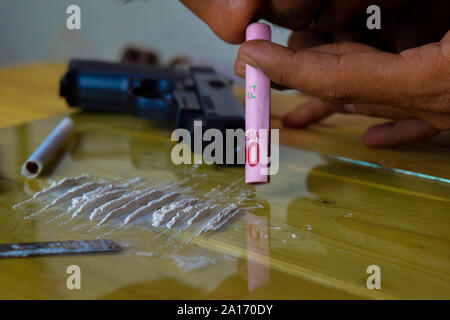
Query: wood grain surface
328, 214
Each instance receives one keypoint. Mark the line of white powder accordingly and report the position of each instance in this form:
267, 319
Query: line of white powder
131, 205
163, 215
74, 192
113, 201
201, 214
93, 203
184, 214
151, 206
219, 219
85, 197
113, 204
54, 187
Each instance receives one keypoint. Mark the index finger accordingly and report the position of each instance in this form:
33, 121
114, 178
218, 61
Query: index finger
361, 76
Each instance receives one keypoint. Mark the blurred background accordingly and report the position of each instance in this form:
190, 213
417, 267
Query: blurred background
33, 30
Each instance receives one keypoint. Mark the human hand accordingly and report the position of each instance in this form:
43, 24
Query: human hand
357, 71
412, 87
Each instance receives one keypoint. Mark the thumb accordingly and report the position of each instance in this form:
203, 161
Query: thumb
357, 75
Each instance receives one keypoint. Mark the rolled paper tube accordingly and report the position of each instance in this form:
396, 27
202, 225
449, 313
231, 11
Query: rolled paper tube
257, 114
35, 163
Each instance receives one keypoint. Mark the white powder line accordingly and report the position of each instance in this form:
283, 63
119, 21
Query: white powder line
58, 217
225, 219
221, 192
219, 219
74, 192
231, 188
197, 218
78, 202
109, 201
165, 213
200, 215
223, 195
205, 211
131, 205
114, 204
131, 182
75, 203
183, 215
91, 204
218, 225
155, 204
238, 183
165, 231
55, 186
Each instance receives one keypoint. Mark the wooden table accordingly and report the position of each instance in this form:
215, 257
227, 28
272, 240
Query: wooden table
334, 209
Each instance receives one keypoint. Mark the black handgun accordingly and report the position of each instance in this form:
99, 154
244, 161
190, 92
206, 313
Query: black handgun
174, 94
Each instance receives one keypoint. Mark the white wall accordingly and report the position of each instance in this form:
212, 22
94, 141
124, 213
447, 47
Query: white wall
32, 30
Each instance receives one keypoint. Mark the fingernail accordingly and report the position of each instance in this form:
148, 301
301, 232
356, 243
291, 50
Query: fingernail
296, 118
239, 67
350, 108
247, 60
378, 136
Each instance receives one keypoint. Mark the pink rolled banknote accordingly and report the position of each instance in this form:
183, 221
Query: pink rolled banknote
257, 114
